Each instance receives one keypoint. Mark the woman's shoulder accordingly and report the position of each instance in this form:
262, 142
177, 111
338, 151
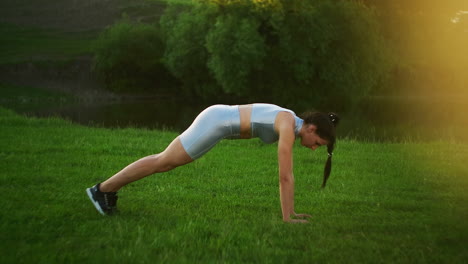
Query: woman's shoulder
285, 120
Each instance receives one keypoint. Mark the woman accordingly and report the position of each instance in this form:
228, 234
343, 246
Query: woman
269, 122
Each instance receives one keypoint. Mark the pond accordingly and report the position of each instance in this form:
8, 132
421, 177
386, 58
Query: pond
383, 118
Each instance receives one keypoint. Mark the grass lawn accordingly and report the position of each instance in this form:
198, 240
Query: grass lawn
20, 44
384, 203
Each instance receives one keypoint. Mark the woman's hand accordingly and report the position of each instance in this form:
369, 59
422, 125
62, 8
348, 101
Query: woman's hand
302, 215
292, 220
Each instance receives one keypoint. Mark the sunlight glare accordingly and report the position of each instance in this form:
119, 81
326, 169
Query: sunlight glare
458, 16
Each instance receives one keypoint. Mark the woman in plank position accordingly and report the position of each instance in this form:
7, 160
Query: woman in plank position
268, 122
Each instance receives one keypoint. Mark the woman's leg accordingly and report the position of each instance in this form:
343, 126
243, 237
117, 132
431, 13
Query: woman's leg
173, 156
210, 126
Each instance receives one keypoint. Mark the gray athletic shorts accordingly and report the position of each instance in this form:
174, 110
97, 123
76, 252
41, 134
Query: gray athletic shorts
211, 125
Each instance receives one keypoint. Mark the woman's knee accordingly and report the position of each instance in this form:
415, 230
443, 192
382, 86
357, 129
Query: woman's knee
160, 163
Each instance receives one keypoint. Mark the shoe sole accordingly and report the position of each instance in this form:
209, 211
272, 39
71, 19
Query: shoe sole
96, 204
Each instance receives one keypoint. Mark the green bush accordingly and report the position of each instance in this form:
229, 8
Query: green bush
290, 52
294, 52
185, 55
236, 48
128, 58
355, 58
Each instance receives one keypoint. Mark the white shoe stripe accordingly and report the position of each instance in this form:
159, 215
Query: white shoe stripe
96, 204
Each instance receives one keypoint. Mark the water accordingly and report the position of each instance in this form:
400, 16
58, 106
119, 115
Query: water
374, 119
152, 114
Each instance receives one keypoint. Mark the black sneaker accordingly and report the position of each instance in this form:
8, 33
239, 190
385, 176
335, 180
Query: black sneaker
105, 202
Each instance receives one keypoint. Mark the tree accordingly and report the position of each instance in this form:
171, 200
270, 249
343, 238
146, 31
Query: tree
289, 52
128, 58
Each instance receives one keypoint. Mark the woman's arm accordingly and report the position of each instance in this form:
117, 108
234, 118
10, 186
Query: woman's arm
285, 128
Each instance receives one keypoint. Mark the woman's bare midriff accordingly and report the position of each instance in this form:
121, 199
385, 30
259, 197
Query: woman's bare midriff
245, 112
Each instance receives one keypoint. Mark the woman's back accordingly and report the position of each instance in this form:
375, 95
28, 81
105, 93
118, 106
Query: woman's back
263, 118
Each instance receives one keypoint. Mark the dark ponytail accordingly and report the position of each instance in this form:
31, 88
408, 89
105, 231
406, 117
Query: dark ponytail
334, 119
325, 124
328, 164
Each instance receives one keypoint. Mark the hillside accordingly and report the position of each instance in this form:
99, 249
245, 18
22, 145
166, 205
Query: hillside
76, 15
48, 43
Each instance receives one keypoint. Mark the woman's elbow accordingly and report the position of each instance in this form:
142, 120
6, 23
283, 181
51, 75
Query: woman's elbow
285, 178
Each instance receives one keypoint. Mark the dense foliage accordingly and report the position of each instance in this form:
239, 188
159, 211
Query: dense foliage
289, 52
128, 58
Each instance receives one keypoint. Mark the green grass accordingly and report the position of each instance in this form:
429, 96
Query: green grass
19, 44
385, 203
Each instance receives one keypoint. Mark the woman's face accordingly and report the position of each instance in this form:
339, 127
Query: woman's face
310, 139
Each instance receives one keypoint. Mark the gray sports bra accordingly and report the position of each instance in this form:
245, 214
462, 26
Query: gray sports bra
263, 122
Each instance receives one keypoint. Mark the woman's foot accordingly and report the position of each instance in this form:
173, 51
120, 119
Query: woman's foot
105, 202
